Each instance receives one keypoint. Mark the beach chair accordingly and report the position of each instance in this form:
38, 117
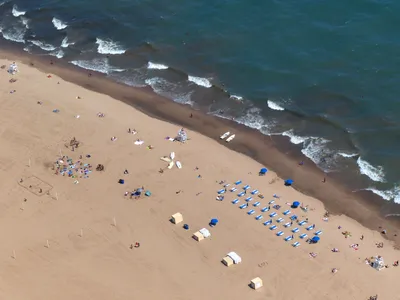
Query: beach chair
264, 209
254, 192
266, 223
294, 217
248, 199
241, 194
303, 222
259, 217
280, 220
296, 244
273, 227
246, 187
303, 236
236, 201
256, 204
272, 201
260, 196
318, 232
233, 189
238, 182
244, 205
288, 238
310, 227
226, 185
279, 233
295, 230
286, 212
251, 211
221, 191
288, 224
273, 214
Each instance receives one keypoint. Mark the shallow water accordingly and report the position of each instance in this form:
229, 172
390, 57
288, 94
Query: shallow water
326, 80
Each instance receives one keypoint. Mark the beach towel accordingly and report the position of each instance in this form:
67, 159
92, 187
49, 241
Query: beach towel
172, 155
178, 164
236, 201
264, 209
148, 193
280, 220
256, 204
166, 159
171, 165
267, 222
251, 211
138, 142
273, 227
279, 233
259, 217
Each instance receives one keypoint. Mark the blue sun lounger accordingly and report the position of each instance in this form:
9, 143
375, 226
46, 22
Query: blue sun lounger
241, 194
256, 204
303, 236
295, 230
294, 217
279, 233
273, 214
267, 222
259, 217
221, 191
233, 189
264, 209
286, 212
303, 222
273, 227
254, 192
280, 220
248, 199
246, 187
272, 201
288, 224
288, 238
318, 232
310, 227
296, 244
251, 211
236, 201
244, 205
238, 182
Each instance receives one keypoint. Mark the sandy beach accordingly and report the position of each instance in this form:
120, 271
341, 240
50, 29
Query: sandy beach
70, 237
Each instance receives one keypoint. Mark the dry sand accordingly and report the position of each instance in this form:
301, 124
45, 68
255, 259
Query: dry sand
45, 255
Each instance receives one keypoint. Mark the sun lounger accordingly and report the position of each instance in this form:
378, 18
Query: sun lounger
280, 220
288, 238
238, 182
264, 209
303, 236
273, 227
233, 189
318, 232
296, 244
256, 204
272, 201
294, 217
260, 196
254, 192
225, 135
236, 201
279, 233
295, 230
221, 191
310, 227
248, 199
286, 212
226, 185
246, 187
244, 205
303, 222
288, 224
267, 222
259, 217
241, 194
230, 138
251, 211
273, 214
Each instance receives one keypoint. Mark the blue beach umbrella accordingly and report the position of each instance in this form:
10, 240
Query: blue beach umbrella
315, 239
295, 204
263, 171
289, 182
213, 222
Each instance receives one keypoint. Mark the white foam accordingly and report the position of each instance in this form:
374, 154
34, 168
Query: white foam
374, 173
152, 65
99, 65
58, 24
274, 106
169, 90
294, 139
16, 13
65, 43
253, 119
204, 82
43, 46
392, 194
315, 149
108, 47
235, 97
346, 155
58, 53
14, 34
25, 21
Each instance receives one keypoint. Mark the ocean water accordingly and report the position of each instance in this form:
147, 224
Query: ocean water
322, 73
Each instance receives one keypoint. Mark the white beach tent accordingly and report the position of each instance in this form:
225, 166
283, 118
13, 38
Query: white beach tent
236, 258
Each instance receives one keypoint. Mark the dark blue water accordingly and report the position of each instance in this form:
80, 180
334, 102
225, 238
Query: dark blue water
323, 73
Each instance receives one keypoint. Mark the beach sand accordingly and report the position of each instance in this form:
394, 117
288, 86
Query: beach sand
73, 240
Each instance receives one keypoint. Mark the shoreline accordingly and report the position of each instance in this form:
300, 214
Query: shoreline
364, 207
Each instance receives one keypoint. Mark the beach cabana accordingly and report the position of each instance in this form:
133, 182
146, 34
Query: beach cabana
213, 222
197, 236
289, 182
263, 171
256, 283
177, 218
235, 257
295, 204
227, 261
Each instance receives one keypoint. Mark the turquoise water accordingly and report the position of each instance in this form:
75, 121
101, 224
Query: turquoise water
322, 73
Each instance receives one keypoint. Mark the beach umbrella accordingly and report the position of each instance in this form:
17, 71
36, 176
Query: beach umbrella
295, 204
213, 222
315, 239
121, 181
263, 171
289, 182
